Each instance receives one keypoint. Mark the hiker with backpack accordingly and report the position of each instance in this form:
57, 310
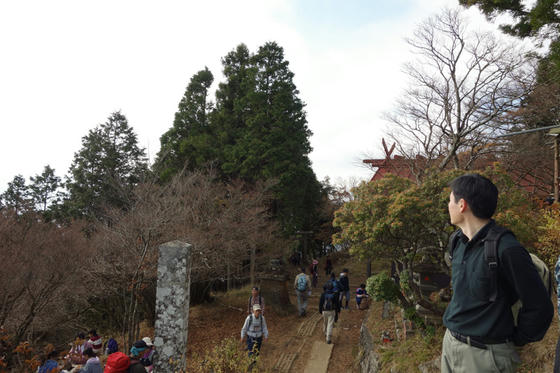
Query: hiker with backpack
329, 307
255, 298
255, 329
302, 284
490, 271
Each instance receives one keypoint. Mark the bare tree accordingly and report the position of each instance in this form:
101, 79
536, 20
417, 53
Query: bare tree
40, 275
462, 83
224, 223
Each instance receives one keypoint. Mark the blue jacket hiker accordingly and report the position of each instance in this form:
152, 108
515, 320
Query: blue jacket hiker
329, 307
255, 329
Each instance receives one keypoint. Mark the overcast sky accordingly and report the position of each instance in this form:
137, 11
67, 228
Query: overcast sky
65, 66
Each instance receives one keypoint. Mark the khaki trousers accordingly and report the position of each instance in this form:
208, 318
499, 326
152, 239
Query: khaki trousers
328, 323
459, 357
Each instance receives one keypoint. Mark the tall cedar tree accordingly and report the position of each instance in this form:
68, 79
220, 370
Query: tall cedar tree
106, 168
44, 189
16, 195
264, 134
257, 131
189, 143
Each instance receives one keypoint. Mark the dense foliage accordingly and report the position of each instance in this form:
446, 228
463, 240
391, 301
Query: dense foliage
257, 131
397, 219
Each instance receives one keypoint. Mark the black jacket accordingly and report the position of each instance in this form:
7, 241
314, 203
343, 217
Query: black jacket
471, 313
336, 304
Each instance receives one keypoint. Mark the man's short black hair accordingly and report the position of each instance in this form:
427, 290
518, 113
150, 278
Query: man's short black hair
303, 269
478, 191
89, 352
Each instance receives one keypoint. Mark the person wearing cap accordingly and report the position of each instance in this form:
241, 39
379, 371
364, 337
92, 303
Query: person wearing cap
255, 329
255, 298
148, 356
136, 352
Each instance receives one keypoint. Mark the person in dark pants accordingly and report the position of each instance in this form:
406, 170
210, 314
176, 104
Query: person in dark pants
255, 329
328, 266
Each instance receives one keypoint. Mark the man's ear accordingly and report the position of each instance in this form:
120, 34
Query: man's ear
463, 205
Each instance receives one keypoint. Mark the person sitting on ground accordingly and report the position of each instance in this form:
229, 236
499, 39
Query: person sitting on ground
76, 353
67, 367
49, 365
93, 365
302, 284
148, 356
111, 347
95, 341
345, 291
329, 307
255, 329
117, 362
255, 298
362, 297
136, 352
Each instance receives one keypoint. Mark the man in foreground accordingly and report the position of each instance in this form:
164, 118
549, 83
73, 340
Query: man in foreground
481, 334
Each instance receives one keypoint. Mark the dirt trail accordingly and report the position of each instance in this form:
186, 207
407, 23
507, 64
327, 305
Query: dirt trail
303, 347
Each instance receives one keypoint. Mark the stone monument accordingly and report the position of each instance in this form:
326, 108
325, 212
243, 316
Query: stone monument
172, 306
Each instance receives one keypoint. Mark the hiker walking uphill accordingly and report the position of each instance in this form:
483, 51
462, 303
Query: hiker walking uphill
329, 307
255, 298
489, 274
302, 284
345, 283
255, 329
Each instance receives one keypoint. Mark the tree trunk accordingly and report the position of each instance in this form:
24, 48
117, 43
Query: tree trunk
228, 275
252, 267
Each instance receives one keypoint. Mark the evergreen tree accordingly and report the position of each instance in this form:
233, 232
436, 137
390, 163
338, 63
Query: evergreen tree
190, 141
106, 168
44, 189
265, 134
17, 195
527, 21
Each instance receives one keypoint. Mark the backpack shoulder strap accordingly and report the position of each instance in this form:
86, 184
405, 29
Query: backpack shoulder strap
491, 242
453, 242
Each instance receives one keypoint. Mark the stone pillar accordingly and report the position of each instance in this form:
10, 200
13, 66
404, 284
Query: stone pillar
172, 307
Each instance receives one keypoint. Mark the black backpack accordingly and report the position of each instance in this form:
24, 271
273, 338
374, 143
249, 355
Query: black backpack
491, 242
328, 303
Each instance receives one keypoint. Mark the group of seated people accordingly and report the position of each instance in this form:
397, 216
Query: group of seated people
84, 357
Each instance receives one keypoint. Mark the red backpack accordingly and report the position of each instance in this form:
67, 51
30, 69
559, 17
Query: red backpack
117, 362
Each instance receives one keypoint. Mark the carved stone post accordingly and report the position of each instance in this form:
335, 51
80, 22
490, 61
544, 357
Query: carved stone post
172, 307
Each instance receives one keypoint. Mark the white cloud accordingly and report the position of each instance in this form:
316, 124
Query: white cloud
67, 65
